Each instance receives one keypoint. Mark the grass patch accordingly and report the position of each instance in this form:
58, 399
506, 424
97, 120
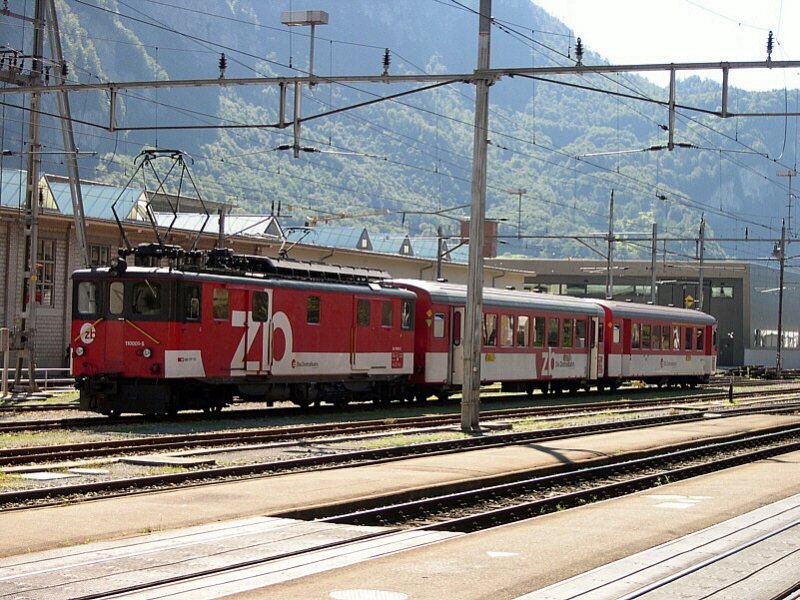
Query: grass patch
413, 438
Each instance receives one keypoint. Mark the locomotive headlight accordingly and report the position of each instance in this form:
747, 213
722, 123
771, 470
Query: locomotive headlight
79, 351
147, 353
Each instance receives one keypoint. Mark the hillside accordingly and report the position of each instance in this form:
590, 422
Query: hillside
412, 157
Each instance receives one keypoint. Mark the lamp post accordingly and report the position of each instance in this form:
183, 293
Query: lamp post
296, 19
519, 192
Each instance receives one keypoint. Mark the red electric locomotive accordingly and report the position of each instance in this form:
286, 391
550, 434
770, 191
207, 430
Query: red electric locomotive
192, 330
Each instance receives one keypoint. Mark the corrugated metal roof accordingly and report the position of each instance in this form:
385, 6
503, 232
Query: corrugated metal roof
12, 188
97, 199
248, 225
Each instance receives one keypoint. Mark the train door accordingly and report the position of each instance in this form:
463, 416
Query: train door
114, 343
251, 321
456, 353
593, 348
360, 333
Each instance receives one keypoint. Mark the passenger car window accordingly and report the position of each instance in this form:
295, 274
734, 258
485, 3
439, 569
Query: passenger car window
438, 325
490, 330
522, 331
552, 332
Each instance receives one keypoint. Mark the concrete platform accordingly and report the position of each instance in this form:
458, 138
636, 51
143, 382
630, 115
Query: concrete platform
58, 527
511, 562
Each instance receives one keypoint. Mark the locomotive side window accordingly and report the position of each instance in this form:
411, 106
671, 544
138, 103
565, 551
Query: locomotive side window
87, 298
362, 312
552, 332
580, 333
116, 298
490, 330
219, 303
506, 330
566, 333
191, 302
406, 315
312, 310
386, 313
260, 307
146, 298
438, 325
538, 332
522, 331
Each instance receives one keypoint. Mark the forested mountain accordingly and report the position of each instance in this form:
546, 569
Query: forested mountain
565, 140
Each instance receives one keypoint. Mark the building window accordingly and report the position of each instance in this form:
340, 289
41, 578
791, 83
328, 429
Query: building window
98, 255
45, 272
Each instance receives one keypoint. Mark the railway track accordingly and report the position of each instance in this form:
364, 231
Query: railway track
67, 453
56, 494
524, 497
276, 413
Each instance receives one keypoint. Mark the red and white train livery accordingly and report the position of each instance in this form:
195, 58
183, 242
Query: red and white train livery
211, 326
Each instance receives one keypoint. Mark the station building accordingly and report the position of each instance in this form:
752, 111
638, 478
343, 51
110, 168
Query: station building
742, 296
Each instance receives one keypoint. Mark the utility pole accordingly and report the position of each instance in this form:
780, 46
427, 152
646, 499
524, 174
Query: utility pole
519, 192
610, 253
24, 340
701, 251
653, 253
470, 402
780, 253
789, 173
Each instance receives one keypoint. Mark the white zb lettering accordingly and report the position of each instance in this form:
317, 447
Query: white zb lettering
243, 319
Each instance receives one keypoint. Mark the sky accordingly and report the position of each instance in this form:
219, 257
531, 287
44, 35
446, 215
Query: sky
666, 31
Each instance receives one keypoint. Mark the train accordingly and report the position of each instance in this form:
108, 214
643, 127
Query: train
197, 330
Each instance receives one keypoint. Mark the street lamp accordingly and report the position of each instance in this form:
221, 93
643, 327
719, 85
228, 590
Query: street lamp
296, 19
519, 192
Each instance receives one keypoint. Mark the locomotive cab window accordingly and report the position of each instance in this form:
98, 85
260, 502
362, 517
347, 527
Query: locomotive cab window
87, 298
312, 310
260, 307
438, 325
146, 298
220, 303
116, 298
